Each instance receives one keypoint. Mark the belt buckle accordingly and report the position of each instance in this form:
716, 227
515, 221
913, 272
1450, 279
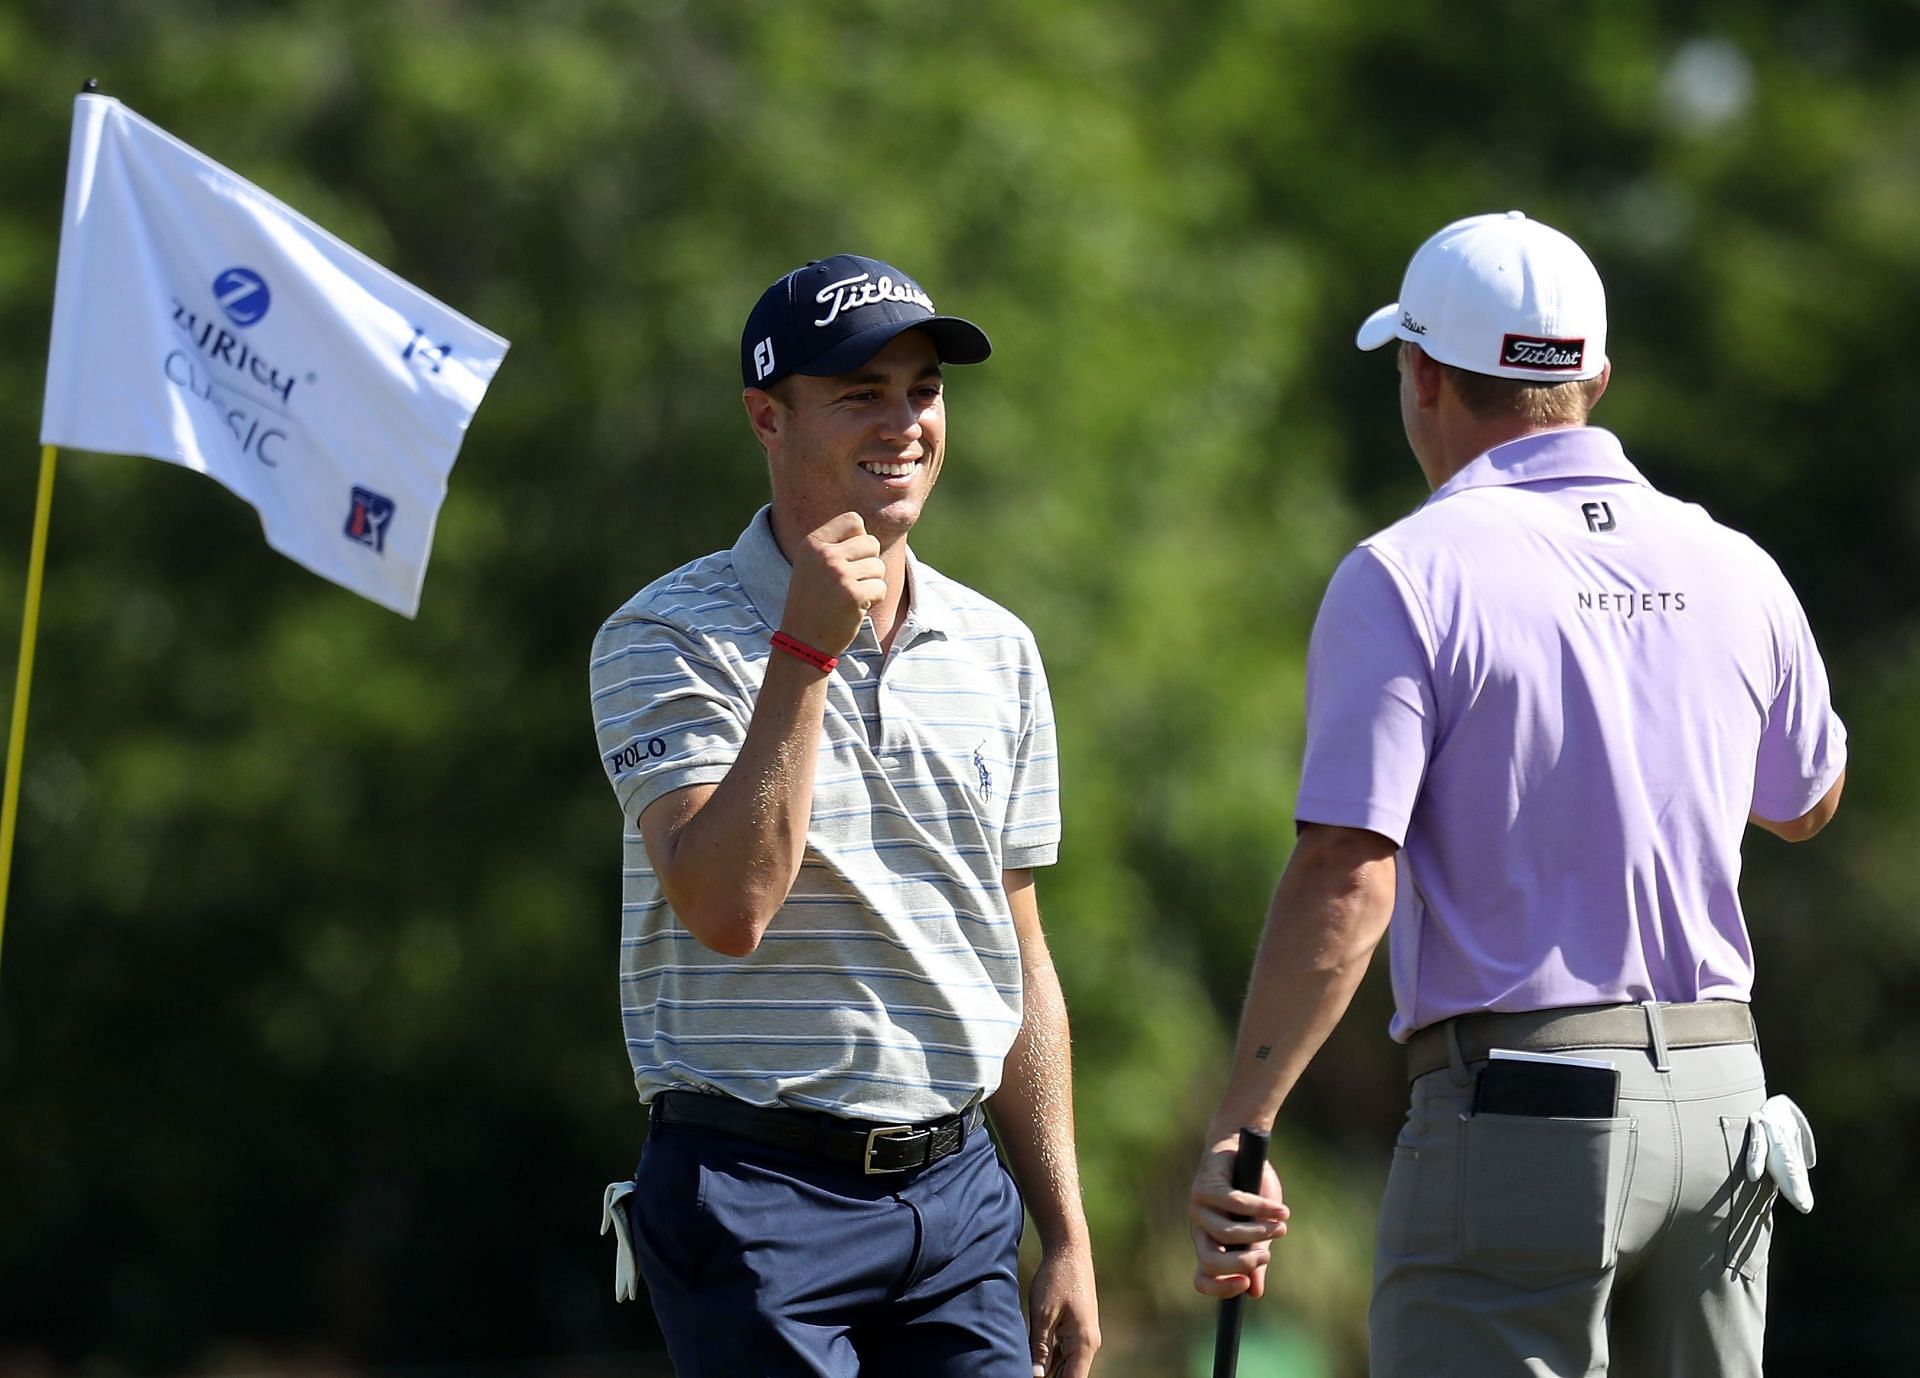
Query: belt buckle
874, 1136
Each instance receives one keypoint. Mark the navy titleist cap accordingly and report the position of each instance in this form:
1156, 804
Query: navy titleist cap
836, 313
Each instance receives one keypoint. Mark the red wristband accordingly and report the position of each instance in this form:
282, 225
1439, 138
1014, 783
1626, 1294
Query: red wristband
794, 646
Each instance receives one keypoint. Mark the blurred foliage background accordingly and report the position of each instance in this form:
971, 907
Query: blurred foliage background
309, 1051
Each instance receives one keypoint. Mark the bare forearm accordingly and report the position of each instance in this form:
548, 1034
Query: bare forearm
1328, 915
728, 859
1033, 1109
1033, 1113
1329, 912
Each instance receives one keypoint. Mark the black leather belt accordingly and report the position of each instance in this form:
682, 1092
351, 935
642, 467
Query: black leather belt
1707, 1024
863, 1145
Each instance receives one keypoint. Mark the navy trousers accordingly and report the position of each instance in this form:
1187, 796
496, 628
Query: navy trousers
766, 1263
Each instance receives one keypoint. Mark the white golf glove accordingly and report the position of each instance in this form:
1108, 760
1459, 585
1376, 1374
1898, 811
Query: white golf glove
1780, 1143
613, 1215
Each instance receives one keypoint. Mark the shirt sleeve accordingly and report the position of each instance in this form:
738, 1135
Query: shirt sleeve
1370, 702
666, 715
1032, 834
1803, 747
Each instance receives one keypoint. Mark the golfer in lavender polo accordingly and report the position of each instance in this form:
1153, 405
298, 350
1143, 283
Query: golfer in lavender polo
1541, 712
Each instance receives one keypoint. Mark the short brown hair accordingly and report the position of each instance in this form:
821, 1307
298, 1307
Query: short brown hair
1542, 403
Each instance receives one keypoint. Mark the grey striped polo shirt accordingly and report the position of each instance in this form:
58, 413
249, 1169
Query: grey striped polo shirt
888, 985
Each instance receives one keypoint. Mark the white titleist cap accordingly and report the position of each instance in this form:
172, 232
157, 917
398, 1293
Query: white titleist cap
1501, 295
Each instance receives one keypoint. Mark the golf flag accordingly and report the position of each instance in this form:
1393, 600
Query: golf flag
199, 321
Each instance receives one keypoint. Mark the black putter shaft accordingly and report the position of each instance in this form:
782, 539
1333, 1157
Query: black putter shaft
1247, 1163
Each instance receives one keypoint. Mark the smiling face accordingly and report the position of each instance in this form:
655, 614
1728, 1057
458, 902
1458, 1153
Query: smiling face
869, 441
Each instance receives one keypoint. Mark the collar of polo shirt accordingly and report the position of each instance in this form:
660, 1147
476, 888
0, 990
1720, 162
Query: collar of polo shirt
1575, 452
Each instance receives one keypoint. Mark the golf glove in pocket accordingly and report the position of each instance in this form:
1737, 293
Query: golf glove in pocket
613, 1214
1780, 1143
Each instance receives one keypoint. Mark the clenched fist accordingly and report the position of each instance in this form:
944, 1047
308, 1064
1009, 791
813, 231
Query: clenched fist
837, 576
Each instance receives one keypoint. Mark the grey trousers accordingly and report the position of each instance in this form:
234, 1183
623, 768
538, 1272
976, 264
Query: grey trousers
1632, 1246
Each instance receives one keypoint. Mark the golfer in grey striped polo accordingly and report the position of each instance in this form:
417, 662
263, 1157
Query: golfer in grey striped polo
837, 772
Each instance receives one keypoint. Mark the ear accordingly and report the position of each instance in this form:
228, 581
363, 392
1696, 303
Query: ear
1598, 387
1425, 376
766, 414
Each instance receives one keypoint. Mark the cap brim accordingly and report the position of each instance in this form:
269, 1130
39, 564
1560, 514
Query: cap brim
958, 341
1377, 329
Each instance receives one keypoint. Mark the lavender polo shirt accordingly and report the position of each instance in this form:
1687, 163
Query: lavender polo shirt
1560, 691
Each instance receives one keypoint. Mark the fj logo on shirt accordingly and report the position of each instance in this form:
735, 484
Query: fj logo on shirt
986, 776
1599, 516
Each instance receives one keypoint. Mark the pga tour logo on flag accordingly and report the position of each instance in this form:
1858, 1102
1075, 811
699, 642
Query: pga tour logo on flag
200, 321
368, 517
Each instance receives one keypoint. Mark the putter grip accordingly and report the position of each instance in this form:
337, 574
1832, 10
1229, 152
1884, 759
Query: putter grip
1248, 1160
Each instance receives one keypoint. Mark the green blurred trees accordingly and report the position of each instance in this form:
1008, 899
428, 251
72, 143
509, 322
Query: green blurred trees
308, 1034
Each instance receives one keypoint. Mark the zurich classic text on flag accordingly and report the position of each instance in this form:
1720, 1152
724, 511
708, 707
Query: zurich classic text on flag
200, 321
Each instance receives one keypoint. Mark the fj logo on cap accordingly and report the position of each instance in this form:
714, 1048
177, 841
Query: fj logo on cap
763, 358
1538, 351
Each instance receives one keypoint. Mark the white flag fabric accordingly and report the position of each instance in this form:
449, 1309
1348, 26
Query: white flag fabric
200, 321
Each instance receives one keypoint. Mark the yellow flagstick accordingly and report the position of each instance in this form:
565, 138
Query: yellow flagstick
29, 631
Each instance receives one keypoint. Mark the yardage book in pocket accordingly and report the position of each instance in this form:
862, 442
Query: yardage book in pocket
1547, 1086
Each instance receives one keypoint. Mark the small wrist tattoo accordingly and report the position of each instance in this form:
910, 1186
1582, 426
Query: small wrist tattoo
1265, 1048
